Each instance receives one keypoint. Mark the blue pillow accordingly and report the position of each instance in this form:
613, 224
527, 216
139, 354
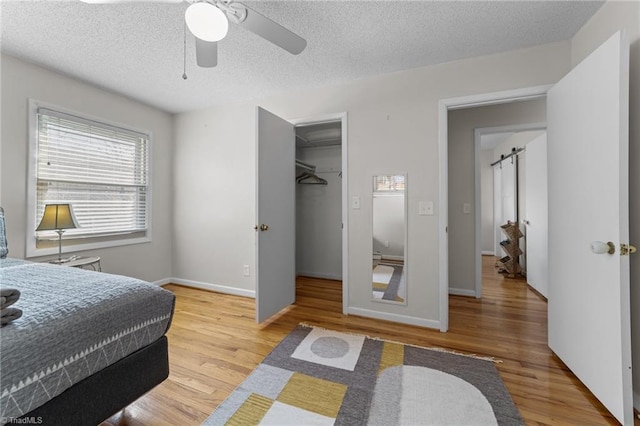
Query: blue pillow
4, 250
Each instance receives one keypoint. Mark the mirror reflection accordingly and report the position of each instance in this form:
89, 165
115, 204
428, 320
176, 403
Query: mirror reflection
389, 278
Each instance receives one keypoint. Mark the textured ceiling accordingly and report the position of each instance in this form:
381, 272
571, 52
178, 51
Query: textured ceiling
136, 49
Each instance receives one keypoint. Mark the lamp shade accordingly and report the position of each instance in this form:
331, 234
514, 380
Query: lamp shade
206, 21
57, 216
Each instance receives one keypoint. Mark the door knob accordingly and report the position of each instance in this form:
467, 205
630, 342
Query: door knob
264, 227
598, 247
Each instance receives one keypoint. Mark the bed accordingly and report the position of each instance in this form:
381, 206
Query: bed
87, 345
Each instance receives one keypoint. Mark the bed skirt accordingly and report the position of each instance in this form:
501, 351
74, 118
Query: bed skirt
99, 396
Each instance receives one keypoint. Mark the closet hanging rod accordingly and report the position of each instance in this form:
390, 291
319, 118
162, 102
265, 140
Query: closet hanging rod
511, 154
305, 166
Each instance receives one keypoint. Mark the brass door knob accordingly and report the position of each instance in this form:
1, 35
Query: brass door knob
264, 227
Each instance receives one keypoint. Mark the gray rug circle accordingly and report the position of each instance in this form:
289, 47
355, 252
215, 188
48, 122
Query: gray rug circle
330, 347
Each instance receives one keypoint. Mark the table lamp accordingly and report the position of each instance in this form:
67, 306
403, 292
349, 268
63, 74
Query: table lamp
57, 217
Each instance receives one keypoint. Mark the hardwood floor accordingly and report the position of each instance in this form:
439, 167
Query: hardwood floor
214, 343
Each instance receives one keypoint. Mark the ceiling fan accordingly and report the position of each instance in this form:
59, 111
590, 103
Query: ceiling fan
208, 21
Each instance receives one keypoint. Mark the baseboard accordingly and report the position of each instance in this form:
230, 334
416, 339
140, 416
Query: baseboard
488, 253
162, 282
462, 292
215, 287
394, 317
321, 276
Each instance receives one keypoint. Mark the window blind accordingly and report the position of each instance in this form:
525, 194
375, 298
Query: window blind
101, 170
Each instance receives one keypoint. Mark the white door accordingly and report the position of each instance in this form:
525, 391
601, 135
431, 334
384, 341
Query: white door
276, 220
509, 194
536, 216
588, 147
497, 209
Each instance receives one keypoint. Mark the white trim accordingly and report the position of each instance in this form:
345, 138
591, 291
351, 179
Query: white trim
444, 105
462, 292
214, 287
404, 319
488, 253
342, 117
478, 133
321, 276
73, 248
162, 282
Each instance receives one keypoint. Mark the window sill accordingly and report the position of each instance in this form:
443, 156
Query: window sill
33, 251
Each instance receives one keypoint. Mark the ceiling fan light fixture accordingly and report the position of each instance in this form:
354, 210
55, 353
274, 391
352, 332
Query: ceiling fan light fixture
206, 21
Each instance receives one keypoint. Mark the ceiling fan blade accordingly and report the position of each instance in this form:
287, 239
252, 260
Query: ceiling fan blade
272, 31
206, 53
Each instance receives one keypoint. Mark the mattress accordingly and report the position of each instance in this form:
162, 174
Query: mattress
75, 322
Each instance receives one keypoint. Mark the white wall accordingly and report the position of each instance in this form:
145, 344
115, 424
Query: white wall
615, 15
393, 125
214, 193
319, 216
462, 124
21, 81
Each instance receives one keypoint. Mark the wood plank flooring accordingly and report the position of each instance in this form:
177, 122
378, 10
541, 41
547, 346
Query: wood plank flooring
214, 343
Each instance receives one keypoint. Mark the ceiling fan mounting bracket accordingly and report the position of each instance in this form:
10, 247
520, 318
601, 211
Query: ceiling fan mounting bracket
236, 12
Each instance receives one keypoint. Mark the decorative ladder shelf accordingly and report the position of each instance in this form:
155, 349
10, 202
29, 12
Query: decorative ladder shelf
509, 264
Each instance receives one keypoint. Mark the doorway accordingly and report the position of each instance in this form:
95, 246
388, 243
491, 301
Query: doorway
512, 176
321, 213
480, 137
444, 107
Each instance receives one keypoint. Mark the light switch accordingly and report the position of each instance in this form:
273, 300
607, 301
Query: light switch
425, 208
355, 202
466, 208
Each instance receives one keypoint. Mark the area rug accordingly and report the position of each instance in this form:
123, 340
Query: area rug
322, 377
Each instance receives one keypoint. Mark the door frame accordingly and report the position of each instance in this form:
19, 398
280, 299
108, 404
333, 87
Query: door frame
478, 133
342, 117
444, 106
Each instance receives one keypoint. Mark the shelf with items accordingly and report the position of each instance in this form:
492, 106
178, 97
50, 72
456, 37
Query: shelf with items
510, 264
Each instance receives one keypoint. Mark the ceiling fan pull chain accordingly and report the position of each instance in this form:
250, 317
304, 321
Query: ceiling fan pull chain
184, 50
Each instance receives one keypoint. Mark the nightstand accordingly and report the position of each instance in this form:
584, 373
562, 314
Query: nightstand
81, 262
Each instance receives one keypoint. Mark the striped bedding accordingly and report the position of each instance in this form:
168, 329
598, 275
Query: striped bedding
75, 322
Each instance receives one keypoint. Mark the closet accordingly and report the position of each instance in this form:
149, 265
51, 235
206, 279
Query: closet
319, 200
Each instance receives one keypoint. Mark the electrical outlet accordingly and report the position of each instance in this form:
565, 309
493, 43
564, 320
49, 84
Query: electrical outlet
466, 208
355, 202
245, 270
425, 208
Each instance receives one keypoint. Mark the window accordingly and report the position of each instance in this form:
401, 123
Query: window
101, 169
388, 183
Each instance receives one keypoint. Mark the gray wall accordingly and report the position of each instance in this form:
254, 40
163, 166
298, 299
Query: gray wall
610, 18
21, 81
462, 124
319, 216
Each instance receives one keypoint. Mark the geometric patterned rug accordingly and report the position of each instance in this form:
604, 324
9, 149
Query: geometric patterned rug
322, 377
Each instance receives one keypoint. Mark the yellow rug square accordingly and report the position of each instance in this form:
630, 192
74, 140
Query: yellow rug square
251, 412
313, 394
